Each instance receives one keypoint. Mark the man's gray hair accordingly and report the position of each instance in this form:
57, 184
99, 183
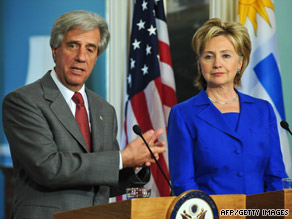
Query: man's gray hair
84, 21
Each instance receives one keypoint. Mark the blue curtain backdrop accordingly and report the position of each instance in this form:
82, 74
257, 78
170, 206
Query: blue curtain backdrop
19, 22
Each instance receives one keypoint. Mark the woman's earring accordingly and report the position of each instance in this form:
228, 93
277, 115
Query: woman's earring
238, 71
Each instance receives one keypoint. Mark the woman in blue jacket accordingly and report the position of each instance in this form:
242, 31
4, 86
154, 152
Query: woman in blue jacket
222, 141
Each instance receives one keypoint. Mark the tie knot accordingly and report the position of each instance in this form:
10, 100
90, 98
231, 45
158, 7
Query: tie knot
77, 98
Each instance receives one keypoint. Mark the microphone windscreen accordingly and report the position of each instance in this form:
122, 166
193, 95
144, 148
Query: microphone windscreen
284, 125
137, 130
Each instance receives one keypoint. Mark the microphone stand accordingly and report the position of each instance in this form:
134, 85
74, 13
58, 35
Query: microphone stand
137, 130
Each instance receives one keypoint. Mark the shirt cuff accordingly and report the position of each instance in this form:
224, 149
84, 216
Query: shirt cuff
121, 161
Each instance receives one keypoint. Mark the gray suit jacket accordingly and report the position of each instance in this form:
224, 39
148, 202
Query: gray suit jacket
54, 171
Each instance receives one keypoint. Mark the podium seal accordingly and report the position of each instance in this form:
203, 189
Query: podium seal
193, 204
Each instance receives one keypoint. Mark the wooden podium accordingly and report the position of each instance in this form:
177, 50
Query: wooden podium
146, 208
269, 204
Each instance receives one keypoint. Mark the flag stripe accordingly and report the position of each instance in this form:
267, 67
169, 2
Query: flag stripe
162, 32
167, 76
157, 117
164, 53
166, 93
272, 84
140, 109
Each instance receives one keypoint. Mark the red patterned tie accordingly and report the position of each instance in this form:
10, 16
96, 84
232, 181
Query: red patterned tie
82, 118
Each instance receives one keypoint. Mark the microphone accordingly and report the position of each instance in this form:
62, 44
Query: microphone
138, 131
285, 126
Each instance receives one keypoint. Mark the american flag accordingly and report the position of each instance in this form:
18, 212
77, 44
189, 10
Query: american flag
150, 82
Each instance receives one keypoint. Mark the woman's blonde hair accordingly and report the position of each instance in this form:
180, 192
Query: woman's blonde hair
234, 31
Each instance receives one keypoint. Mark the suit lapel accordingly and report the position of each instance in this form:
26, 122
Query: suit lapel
211, 115
61, 109
245, 112
97, 123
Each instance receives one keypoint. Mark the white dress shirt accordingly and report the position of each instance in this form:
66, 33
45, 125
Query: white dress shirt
68, 94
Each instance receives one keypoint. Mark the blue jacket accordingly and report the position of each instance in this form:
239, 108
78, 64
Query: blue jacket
205, 153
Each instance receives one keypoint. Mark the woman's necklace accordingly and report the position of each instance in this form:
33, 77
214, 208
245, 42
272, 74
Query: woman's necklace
215, 101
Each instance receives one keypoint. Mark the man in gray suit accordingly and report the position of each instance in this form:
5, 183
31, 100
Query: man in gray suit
56, 167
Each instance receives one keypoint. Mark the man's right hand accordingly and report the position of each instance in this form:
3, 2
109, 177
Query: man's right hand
136, 153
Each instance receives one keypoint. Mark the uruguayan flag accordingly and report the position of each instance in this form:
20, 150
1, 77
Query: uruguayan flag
262, 77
